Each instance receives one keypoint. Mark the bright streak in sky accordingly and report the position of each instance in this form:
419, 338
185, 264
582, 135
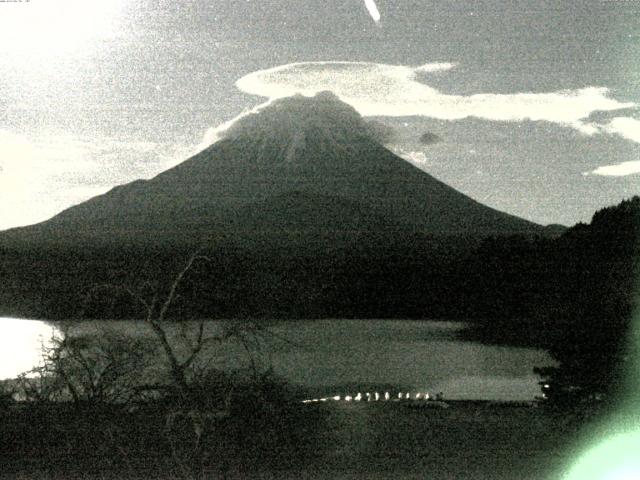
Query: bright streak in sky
373, 10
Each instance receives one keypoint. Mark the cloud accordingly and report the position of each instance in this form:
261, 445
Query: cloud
415, 157
29, 170
435, 67
213, 134
40, 175
626, 127
429, 138
394, 90
617, 170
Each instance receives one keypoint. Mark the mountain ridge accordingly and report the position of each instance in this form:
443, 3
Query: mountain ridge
310, 145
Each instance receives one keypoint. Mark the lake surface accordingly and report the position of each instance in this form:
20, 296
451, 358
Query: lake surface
335, 357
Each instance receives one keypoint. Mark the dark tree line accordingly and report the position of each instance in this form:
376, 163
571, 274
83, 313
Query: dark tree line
597, 325
575, 296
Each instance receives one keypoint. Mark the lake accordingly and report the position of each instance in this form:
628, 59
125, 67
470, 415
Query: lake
336, 357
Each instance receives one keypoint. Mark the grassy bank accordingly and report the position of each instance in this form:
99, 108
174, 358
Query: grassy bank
469, 440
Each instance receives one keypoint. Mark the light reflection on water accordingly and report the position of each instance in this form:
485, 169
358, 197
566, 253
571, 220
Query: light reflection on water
21, 343
368, 397
415, 398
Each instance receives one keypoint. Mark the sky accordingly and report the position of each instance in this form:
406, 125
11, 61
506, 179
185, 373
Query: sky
531, 107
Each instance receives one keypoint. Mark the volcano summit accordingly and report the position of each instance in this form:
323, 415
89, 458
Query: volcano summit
303, 164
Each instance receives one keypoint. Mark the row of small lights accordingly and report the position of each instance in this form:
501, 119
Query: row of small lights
368, 397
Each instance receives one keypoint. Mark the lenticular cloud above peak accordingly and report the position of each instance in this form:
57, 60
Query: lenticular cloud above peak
375, 89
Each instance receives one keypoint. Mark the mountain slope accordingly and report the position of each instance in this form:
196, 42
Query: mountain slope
297, 151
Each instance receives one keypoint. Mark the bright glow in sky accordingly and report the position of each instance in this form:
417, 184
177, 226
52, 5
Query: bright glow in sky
57, 26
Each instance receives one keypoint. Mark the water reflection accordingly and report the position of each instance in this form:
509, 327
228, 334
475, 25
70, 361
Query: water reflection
424, 396
21, 344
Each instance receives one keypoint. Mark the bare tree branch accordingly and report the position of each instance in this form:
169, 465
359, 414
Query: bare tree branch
176, 283
195, 349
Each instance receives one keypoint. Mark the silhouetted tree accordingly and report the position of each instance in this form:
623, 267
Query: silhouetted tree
90, 369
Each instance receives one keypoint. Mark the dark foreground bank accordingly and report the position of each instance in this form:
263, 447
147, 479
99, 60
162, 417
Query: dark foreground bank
468, 440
